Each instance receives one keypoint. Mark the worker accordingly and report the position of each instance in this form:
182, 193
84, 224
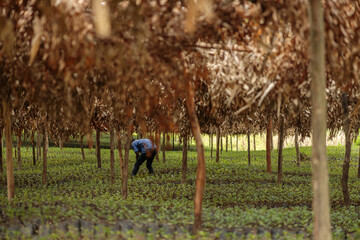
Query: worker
145, 150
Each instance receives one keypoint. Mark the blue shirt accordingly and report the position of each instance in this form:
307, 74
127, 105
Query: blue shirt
143, 145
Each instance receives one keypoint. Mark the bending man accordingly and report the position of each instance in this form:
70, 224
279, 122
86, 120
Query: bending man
144, 150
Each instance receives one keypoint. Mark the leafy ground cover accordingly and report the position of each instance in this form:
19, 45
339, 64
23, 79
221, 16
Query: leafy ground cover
240, 202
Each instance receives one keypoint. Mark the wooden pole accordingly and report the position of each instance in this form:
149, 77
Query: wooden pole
346, 165
321, 202
9, 160
201, 169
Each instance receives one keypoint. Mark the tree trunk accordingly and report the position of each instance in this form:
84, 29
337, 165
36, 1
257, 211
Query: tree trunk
249, 153
189, 142
217, 144
112, 156
201, 169
45, 150
321, 203
1, 147
173, 141
19, 150
34, 153
268, 145
184, 160
226, 144
297, 146
82, 147
121, 160
271, 142
126, 162
359, 165
221, 144
280, 148
9, 160
163, 147
157, 143
237, 142
211, 144
346, 165
254, 142
38, 145
98, 151
231, 147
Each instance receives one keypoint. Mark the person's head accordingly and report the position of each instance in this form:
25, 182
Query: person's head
132, 140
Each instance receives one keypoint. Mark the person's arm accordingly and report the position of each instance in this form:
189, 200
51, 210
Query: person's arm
136, 150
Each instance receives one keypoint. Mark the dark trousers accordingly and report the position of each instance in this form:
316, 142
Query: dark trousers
142, 158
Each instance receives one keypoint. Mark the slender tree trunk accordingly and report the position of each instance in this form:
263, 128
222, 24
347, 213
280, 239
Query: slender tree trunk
1, 147
82, 147
45, 150
297, 146
9, 160
231, 146
346, 165
157, 143
211, 144
121, 160
226, 144
217, 144
221, 143
184, 160
19, 150
249, 153
209, 140
112, 155
268, 145
189, 142
38, 145
359, 165
237, 142
280, 149
271, 142
321, 202
254, 142
201, 169
163, 147
98, 149
34, 153
173, 141
126, 162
